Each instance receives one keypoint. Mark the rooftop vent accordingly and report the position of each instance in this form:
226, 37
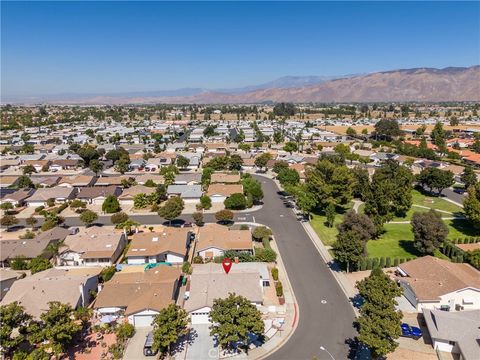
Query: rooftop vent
154, 239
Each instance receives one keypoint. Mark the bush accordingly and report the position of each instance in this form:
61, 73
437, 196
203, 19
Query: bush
111, 205
206, 202
261, 232
381, 264
39, 264
186, 268
39, 208
198, 218
388, 262
50, 202
265, 255
77, 204
369, 264
124, 331
236, 202
224, 215
275, 274
266, 243
395, 262
118, 218
19, 263
279, 289
49, 224
106, 274
244, 227
198, 260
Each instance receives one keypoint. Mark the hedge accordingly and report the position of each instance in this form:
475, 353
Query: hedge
279, 289
383, 262
275, 274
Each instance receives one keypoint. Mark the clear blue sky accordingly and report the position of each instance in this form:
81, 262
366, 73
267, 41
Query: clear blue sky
102, 47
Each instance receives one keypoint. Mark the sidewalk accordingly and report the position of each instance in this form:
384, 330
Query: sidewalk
291, 315
341, 278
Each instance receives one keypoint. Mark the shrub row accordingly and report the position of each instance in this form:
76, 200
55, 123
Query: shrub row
382, 262
467, 240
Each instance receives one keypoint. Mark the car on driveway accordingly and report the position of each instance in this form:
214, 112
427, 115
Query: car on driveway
147, 348
411, 331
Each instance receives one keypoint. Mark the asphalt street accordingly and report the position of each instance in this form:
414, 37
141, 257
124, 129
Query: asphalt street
325, 314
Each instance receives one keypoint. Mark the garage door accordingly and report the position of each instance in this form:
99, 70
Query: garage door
143, 320
218, 199
200, 318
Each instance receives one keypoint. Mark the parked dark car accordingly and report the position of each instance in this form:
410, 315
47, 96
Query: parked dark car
147, 348
411, 331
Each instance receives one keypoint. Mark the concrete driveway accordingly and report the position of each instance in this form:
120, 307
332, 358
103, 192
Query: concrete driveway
201, 345
134, 350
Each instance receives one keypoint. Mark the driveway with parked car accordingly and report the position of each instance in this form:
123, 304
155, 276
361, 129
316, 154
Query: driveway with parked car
134, 350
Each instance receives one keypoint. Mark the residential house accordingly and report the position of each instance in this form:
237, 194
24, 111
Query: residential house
31, 248
45, 181
8, 181
219, 192
139, 295
77, 181
432, 283
7, 278
58, 194
68, 286
214, 239
111, 180
92, 246
18, 197
455, 332
208, 283
97, 195
64, 164
128, 195
142, 179
225, 178
189, 193
168, 245
188, 179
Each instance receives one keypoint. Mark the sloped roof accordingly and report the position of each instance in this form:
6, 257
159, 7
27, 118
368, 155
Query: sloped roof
430, 277
221, 237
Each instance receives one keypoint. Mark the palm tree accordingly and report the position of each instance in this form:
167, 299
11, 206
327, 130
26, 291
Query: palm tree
127, 226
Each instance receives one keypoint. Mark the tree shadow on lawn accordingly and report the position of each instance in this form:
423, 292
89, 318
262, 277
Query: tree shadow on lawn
465, 227
408, 246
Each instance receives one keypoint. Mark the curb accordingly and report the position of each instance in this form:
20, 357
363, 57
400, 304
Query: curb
296, 311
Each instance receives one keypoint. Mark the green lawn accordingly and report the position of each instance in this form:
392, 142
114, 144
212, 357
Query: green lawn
431, 202
327, 235
397, 241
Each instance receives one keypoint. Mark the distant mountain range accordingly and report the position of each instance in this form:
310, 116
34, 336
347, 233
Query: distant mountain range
419, 84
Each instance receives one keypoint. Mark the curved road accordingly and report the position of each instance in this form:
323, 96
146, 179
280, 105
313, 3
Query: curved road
327, 325
325, 314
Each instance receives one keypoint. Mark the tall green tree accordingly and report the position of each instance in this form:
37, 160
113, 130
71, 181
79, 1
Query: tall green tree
290, 147
390, 193
111, 205
235, 162
233, 319
288, 177
429, 231
182, 162
471, 204
96, 166
436, 179
13, 321
348, 248
439, 136
88, 217
262, 160
168, 326
379, 322
172, 208
468, 177
387, 129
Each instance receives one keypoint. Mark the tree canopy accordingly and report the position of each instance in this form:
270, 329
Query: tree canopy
429, 231
168, 326
233, 319
172, 208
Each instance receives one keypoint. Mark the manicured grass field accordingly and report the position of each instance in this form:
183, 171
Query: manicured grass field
397, 241
326, 234
431, 202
